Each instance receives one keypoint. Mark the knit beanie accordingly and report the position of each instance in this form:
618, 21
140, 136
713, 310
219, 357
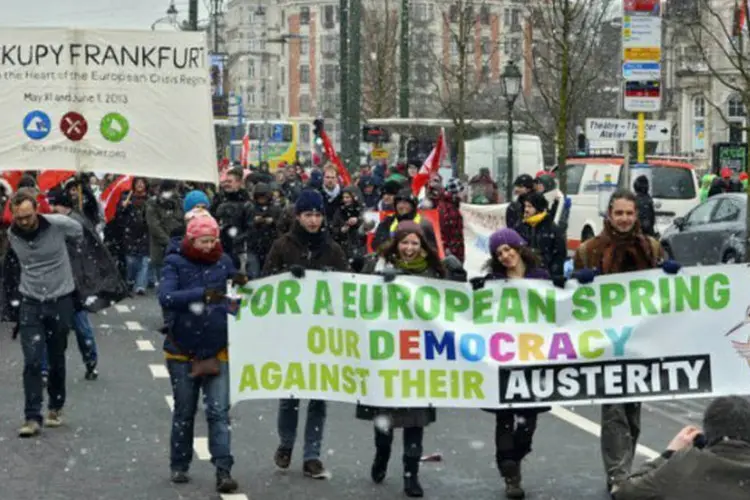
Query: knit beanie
505, 236
309, 201
202, 226
525, 181
194, 198
537, 200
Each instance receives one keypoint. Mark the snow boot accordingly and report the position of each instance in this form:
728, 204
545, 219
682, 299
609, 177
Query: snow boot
511, 472
380, 464
412, 488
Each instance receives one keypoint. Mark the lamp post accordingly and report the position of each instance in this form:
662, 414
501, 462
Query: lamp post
511, 78
170, 18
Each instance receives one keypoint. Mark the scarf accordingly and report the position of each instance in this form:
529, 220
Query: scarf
193, 254
312, 241
332, 194
534, 220
416, 266
625, 252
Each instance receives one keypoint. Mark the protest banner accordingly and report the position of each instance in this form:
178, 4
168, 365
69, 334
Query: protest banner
480, 221
519, 343
128, 102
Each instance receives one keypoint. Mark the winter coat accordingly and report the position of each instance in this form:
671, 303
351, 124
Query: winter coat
331, 205
531, 274
645, 206
133, 228
721, 471
451, 225
229, 210
292, 189
548, 243
196, 329
514, 215
384, 230
163, 216
599, 252
369, 200
261, 235
352, 240
398, 417
295, 248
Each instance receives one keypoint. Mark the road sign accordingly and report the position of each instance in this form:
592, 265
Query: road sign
626, 130
635, 71
37, 125
641, 55
643, 96
74, 126
114, 127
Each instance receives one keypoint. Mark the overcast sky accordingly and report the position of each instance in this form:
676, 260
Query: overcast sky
129, 14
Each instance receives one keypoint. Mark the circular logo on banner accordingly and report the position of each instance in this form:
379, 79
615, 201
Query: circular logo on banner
114, 127
37, 125
73, 126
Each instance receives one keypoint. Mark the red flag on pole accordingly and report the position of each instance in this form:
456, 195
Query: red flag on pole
430, 166
48, 179
110, 197
330, 151
245, 151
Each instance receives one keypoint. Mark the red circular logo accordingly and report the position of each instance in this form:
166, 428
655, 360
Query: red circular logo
74, 126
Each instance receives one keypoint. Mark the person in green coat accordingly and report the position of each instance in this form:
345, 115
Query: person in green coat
706, 181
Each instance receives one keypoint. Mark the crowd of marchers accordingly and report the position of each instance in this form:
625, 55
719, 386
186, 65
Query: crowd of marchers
188, 242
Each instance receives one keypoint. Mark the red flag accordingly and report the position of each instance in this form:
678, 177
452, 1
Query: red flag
346, 179
431, 165
12, 177
110, 197
245, 151
48, 179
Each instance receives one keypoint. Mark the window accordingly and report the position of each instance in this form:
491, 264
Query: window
304, 104
423, 12
506, 17
506, 46
516, 18
304, 47
735, 107
330, 76
282, 78
699, 124
485, 72
304, 73
728, 211
454, 47
702, 213
304, 15
486, 45
283, 18
453, 13
484, 15
330, 44
329, 17
251, 95
515, 48
672, 183
736, 117
574, 174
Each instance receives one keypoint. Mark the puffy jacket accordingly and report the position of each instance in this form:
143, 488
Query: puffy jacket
196, 329
548, 243
229, 210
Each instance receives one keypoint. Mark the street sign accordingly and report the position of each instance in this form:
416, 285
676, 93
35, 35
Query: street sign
626, 130
641, 55
643, 96
634, 71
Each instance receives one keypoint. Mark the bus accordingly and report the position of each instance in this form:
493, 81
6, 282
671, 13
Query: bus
273, 141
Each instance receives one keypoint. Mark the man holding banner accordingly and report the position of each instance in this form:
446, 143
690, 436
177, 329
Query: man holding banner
621, 247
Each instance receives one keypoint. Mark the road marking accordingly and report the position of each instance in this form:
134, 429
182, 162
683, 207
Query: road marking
234, 496
595, 429
133, 325
159, 371
170, 402
121, 308
145, 345
200, 445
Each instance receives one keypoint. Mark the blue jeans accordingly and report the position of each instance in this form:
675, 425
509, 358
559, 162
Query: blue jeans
186, 390
43, 328
316, 420
84, 337
253, 267
138, 268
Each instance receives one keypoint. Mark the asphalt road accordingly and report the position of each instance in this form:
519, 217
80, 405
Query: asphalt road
115, 441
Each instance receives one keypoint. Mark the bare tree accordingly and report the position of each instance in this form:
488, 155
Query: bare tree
380, 44
568, 62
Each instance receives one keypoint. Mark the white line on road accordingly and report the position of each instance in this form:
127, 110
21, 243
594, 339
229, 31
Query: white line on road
594, 428
159, 371
234, 496
133, 325
145, 345
200, 445
122, 308
170, 402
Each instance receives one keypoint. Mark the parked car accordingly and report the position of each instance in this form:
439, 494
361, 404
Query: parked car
711, 233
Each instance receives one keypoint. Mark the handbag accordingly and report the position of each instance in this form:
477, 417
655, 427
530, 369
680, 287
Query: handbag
209, 367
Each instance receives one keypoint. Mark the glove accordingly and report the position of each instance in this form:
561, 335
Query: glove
297, 271
671, 266
389, 275
585, 276
213, 296
477, 283
559, 281
240, 279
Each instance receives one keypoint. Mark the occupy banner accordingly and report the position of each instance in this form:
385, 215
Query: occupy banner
417, 342
127, 102
480, 221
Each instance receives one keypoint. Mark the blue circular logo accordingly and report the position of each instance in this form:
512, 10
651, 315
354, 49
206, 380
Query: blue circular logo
37, 125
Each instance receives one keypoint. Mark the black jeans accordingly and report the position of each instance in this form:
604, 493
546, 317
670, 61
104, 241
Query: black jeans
44, 324
513, 435
412, 443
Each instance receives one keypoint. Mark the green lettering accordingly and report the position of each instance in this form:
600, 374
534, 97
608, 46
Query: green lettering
316, 340
248, 380
349, 290
262, 300
509, 306
687, 295
612, 295
584, 309
376, 310
294, 377
544, 306
456, 302
288, 292
329, 378
482, 305
664, 296
717, 291
382, 345
270, 376
323, 301
642, 298
398, 302
431, 309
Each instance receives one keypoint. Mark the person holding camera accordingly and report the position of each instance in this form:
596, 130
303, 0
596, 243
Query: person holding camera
698, 464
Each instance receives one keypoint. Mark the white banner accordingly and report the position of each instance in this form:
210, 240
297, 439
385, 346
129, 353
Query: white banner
128, 102
418, 342
480, 221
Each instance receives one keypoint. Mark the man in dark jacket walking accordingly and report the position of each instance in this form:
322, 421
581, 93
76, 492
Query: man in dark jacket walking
645, 205
262, 228
229, 210
306, 246
523, 185
133, 229
543, 235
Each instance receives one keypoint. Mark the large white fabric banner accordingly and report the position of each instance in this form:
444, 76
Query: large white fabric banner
480, 221
129, 102
419, 342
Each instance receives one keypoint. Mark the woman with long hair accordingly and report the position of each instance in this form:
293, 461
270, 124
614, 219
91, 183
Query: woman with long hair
407, 253
511, 258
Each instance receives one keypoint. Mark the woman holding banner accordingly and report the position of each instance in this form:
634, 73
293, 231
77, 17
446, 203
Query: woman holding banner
511, 258
407, 253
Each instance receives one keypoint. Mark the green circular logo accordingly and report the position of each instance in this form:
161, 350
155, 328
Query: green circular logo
114, 127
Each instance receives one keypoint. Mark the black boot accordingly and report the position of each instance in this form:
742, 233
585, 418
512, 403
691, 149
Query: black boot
380, 464
412, 488
511, 472
224, 482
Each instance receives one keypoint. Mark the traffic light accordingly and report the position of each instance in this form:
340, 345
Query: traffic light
318, 125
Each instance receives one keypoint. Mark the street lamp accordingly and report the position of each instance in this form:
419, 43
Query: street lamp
170, 18
511, 78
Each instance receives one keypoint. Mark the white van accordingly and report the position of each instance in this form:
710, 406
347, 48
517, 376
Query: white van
491, 152
673, 187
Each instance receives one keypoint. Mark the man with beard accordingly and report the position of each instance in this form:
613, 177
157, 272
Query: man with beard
406, 209
229, 210
46, 310
621, 247
306, 246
